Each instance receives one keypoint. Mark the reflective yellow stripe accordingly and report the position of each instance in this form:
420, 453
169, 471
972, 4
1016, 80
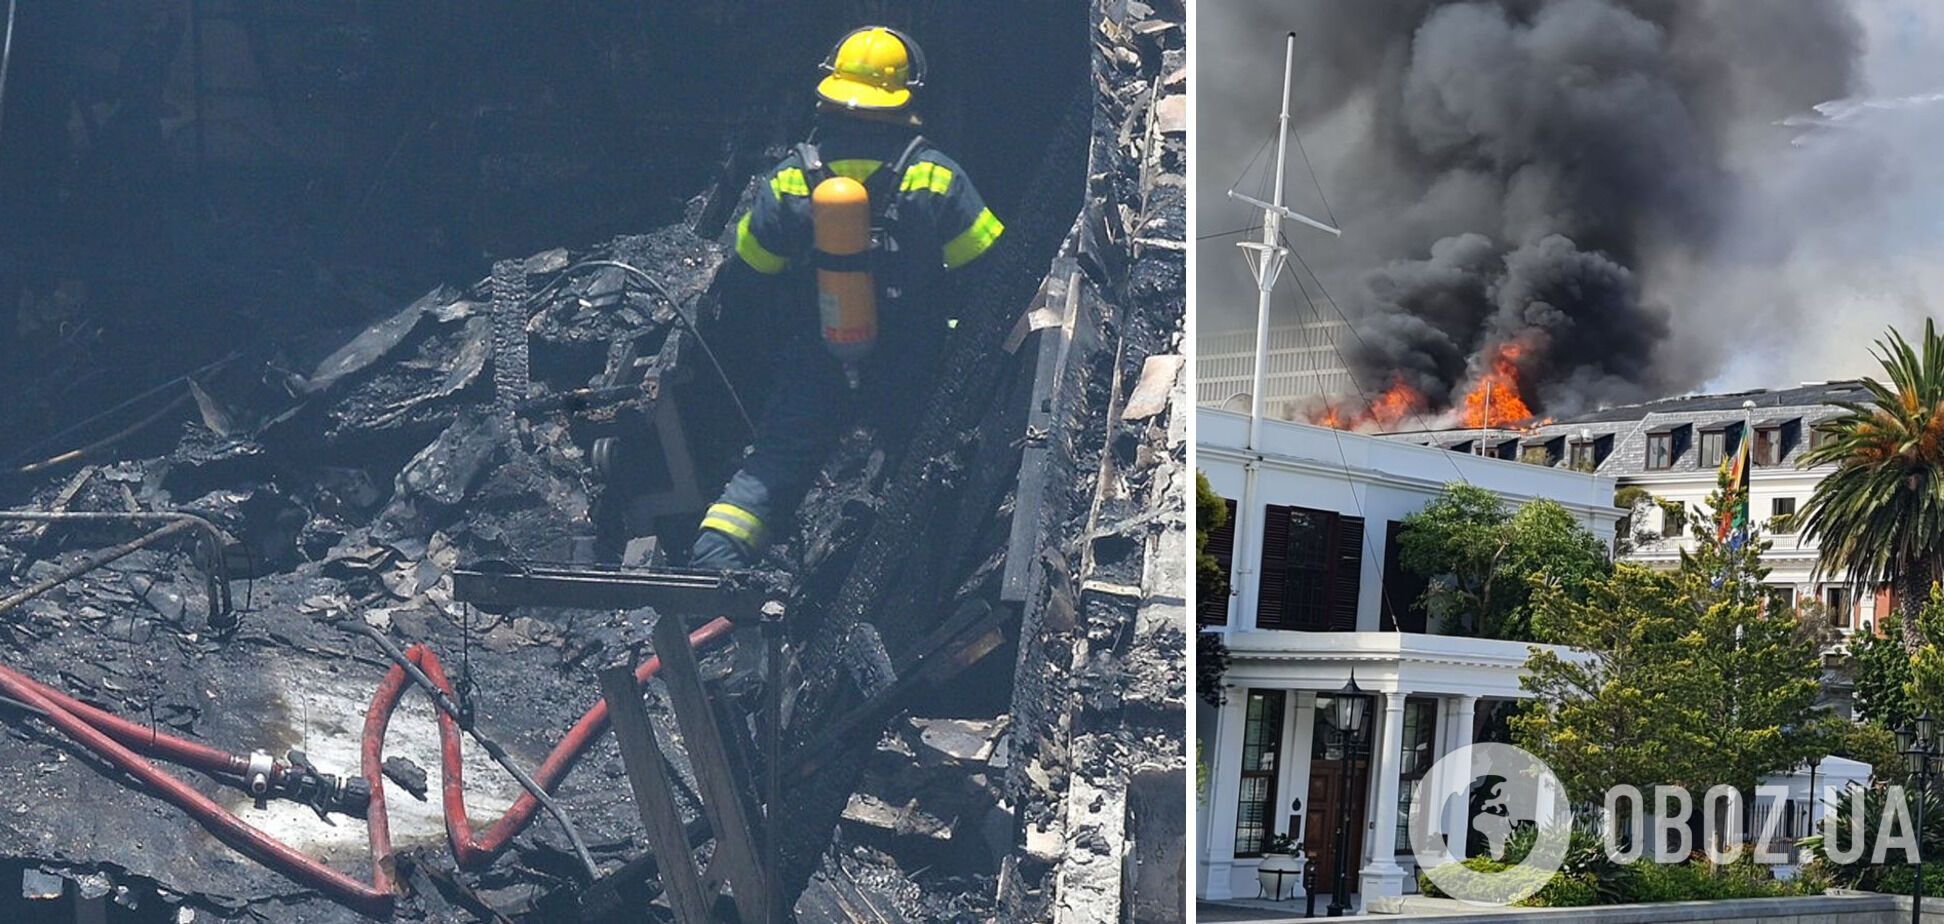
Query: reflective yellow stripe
734, 522
789, 181
974, 240
754, 253
856, 168
928, 176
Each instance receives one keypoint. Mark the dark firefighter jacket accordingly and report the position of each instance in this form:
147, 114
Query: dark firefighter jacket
941, 222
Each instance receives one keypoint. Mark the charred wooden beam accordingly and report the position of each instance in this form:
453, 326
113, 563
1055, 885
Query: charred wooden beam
499, 585
715, 773
654, 793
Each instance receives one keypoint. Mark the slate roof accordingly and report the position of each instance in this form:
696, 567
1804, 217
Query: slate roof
1629, 425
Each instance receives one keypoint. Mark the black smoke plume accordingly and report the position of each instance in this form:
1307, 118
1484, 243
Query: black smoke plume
1505, 170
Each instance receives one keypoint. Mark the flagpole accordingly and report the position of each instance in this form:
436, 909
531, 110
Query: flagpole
1747, 498
1266, 258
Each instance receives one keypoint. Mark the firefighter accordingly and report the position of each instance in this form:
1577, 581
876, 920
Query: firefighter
875, 216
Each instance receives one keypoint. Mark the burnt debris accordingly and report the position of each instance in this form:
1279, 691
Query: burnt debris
305, 584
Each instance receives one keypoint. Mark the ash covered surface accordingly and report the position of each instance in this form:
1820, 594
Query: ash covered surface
357, 465
334, 530
1100, 687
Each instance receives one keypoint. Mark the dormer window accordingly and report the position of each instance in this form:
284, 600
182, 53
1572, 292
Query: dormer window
1774, 438
1665, 444
1541, 450
1718, 441
1586, 453
1581, 454
1818, 432
1660, 450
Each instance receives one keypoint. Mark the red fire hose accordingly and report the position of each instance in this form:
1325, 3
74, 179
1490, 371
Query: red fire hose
113, 738
470, 850
140, 737
229, 829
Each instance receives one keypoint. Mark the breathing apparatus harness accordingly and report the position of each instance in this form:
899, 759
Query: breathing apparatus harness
855, 224
882, 186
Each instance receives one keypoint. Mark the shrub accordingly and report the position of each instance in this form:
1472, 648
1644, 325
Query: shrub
1587, 860
1566, 891
1861, 873
1430, 889
1557, 890
1898, 880
1701, 881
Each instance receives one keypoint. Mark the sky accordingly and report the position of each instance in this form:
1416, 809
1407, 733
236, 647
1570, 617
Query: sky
1823, 226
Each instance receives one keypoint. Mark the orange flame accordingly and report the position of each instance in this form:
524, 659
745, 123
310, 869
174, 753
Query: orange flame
1396, 402
1494, 400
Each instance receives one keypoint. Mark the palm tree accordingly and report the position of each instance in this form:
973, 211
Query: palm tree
1879, 518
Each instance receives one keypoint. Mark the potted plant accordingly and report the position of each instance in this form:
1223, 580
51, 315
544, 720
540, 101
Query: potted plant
1280, 873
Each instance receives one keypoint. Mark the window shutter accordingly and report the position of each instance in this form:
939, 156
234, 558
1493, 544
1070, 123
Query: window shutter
1348, 579
1212, 610
1272, 583
1402, 589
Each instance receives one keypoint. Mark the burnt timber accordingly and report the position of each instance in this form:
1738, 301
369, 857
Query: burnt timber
1010, 554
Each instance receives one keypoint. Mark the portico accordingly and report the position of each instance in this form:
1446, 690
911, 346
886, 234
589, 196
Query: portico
1317, 591
1429, 696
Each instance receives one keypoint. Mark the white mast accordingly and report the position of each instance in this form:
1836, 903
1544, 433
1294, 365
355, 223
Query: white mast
1266, 259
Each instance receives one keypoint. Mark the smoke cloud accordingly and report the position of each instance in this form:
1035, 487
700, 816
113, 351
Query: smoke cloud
1571, 178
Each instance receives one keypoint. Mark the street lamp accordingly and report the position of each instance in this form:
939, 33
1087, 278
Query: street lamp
1921, 757
1349, 709
1815, 797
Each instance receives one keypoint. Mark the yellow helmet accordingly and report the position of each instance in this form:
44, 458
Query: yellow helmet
875, 67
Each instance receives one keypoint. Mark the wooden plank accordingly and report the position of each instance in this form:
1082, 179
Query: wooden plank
66, 496
721, 797
1041, 412
654, 794
1150, 397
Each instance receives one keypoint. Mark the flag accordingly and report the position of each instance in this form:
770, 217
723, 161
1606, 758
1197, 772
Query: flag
1733, 516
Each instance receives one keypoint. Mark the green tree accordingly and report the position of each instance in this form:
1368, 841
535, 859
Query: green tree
1485, 559
1211, 583
1881, 670
1924, 691
1879, 517
1600, 722
1211, 513
1872, 743
1691, 676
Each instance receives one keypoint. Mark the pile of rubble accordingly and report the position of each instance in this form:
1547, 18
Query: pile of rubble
1018, 554
1096, 771
346, 493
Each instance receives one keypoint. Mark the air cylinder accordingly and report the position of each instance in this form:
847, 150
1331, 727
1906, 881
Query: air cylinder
840, 216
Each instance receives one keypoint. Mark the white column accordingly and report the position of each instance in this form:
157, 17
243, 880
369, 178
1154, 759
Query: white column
1463, 712
1245, 557
1382, 877
1296, 772
1296, 777
1224, 794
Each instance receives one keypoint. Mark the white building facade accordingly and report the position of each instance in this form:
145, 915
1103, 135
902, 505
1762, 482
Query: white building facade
1673, 450
1305, 367
1316, 597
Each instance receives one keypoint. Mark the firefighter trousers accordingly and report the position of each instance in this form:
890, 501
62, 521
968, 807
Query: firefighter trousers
809, 409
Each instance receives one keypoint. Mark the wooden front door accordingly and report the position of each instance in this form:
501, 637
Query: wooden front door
1328, 804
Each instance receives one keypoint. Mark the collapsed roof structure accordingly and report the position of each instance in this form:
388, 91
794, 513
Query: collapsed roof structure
232, 587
